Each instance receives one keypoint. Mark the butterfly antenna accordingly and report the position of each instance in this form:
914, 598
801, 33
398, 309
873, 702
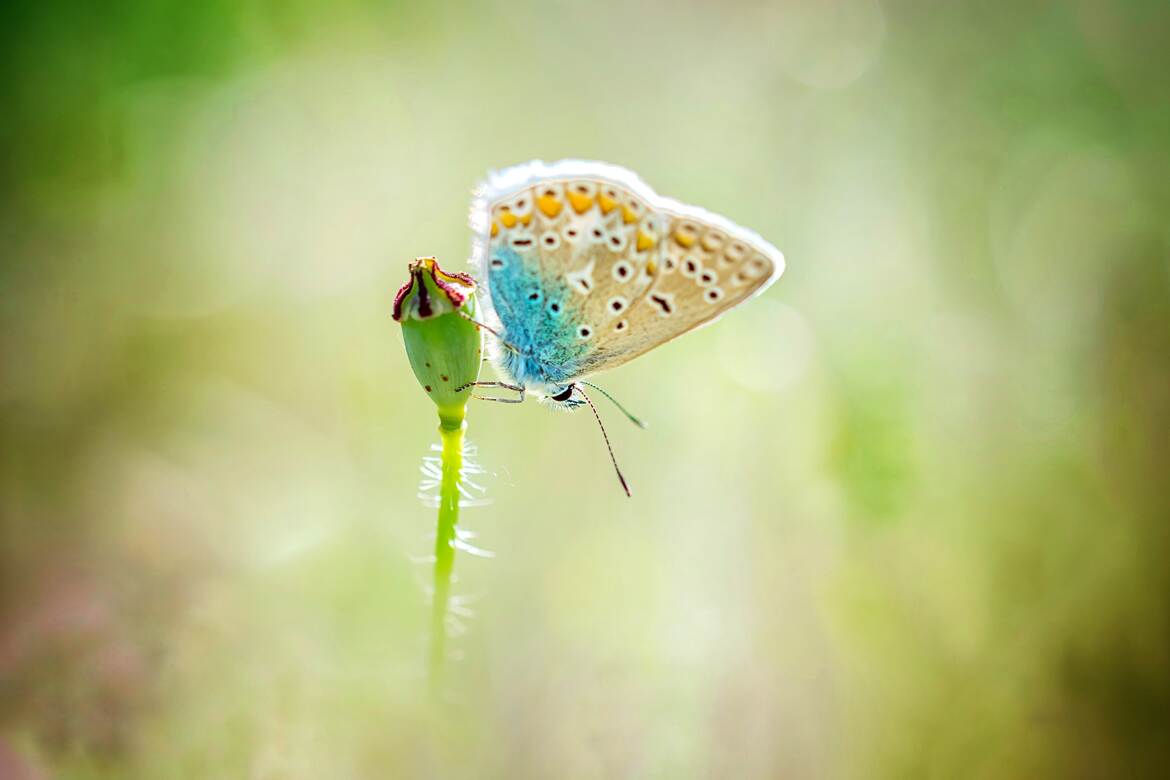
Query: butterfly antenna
605, 436
635, 420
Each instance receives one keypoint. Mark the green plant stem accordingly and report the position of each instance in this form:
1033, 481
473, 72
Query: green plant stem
451, 429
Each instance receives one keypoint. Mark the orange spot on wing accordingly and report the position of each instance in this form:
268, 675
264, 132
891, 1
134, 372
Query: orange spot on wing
581, 203
508, 218
684, 240
628, 216
607, 204
549, 205
645, 241
495, 228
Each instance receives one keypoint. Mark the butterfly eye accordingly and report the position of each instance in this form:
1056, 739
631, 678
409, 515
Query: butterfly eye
564, 395
713, 295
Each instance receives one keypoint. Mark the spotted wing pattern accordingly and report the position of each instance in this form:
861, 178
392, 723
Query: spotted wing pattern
588, 268
708, 267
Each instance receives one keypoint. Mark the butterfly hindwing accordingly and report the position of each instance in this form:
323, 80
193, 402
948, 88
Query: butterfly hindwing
587, 268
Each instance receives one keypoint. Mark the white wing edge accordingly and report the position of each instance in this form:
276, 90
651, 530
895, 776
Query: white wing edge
509, 181
750, 237
506, 182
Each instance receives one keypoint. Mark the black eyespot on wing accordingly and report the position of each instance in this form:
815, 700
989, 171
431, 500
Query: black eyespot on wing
663, 304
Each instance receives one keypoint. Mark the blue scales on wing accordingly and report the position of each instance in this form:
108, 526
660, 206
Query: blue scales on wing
565, 258
539, 319
587, 268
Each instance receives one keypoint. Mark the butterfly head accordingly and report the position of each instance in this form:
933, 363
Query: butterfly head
563, 397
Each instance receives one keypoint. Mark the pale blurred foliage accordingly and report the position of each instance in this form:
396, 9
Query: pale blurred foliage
904, 515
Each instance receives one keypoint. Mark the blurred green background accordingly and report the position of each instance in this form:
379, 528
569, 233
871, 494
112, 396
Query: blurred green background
904, 515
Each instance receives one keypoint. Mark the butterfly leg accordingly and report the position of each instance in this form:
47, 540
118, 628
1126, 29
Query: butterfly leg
504, 385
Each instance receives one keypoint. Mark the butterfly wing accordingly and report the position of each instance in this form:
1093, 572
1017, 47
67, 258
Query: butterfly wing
556, 243
708, 266
588, 268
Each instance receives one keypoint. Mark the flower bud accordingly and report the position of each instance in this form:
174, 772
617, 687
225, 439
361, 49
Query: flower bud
444, 348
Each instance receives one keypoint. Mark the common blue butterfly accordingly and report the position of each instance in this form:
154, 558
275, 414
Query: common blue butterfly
588, 268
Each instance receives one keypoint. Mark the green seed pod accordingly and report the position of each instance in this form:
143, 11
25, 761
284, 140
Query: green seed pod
444, 348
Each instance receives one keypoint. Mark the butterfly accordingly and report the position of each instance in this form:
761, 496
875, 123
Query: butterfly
587, 268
